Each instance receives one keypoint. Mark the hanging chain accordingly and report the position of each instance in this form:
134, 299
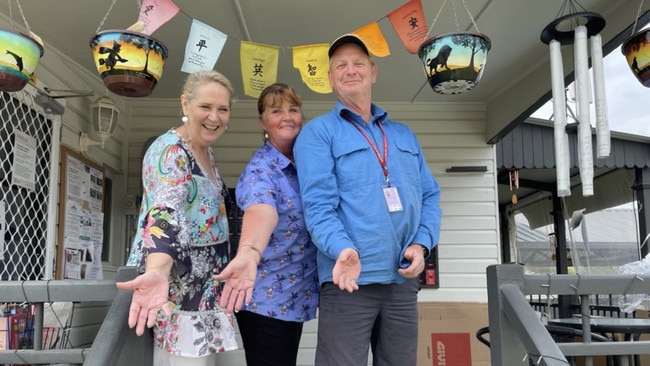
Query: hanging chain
453, 6
470, 16
638, 14
105, 16
436, 18
11, 17
20, 8
453, 3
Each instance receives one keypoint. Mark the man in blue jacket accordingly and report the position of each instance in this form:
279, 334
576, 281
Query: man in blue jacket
372, 208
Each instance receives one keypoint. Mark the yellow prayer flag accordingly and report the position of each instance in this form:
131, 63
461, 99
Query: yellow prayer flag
374, 39
259, 67
312, 63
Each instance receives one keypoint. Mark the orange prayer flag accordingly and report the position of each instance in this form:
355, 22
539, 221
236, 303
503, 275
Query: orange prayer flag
409, 24
374, 39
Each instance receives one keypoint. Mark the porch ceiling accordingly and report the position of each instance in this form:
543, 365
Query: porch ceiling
516, 77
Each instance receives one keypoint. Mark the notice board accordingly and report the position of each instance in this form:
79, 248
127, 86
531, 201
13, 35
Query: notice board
81, 217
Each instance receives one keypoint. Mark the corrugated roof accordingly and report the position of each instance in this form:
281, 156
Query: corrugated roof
531, 146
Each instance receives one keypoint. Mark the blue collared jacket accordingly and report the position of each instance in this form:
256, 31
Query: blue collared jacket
341, 183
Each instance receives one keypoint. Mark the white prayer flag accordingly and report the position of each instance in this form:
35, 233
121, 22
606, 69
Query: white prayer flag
203, 47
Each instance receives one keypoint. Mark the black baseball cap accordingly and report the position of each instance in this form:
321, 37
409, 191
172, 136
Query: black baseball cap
347, 38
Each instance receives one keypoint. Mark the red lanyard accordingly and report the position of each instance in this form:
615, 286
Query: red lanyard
382, 161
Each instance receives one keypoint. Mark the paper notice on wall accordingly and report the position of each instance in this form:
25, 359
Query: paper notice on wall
83, 237
23, 172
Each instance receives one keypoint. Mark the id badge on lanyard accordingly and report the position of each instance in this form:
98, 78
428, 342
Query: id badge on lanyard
392, 199
390, 192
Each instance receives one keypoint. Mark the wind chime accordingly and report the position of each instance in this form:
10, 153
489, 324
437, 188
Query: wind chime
513, 177
574, 25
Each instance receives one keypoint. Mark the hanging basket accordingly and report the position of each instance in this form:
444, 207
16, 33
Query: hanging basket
19, 56
636, 49
130, 63
454, 62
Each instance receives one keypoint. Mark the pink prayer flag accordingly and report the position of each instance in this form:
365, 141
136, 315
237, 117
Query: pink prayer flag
155, 13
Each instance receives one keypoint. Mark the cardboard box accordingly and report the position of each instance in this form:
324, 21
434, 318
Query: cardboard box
447, 334
4, 333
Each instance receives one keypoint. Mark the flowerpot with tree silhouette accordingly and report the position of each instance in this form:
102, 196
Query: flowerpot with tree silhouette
19, 56
130, 63
454, 62
636, 49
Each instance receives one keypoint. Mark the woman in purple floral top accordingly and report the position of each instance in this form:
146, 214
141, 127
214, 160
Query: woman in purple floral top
272, 283
182, 238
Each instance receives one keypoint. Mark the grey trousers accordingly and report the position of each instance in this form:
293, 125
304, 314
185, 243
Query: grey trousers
384, 315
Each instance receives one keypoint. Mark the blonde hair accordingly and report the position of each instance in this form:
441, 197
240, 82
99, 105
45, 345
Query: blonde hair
195, 79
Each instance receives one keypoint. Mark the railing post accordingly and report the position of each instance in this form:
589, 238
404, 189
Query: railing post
112, 335
505, 346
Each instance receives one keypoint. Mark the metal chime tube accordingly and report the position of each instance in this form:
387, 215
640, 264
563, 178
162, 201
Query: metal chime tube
585, 158
602, 122
560, 138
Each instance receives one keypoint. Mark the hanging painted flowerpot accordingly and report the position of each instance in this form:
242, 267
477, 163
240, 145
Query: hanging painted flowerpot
130, 63
19, 56
454, 62
636, 49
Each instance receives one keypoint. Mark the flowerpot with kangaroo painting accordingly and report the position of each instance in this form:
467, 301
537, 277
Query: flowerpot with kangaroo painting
454, 62
636, 49
130, 63
19, 56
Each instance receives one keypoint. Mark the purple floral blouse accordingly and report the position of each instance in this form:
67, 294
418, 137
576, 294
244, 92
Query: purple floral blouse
286, 287
183, 214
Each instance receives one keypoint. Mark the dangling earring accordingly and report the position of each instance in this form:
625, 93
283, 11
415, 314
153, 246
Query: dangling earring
184, 119
266, 136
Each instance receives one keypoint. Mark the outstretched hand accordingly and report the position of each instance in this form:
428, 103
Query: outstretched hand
150, 291
240, 276
347, 270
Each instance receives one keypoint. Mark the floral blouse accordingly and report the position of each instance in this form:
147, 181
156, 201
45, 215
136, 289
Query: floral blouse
183, 214
286, 287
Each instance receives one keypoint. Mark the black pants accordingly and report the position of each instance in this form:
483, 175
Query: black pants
268, 341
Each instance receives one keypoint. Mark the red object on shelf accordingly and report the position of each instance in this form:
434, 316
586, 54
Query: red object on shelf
430, 276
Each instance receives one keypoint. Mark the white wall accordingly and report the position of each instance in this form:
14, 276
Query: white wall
451, 134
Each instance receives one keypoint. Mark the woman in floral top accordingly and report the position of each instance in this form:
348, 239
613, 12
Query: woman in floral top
182, 238
274, 272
